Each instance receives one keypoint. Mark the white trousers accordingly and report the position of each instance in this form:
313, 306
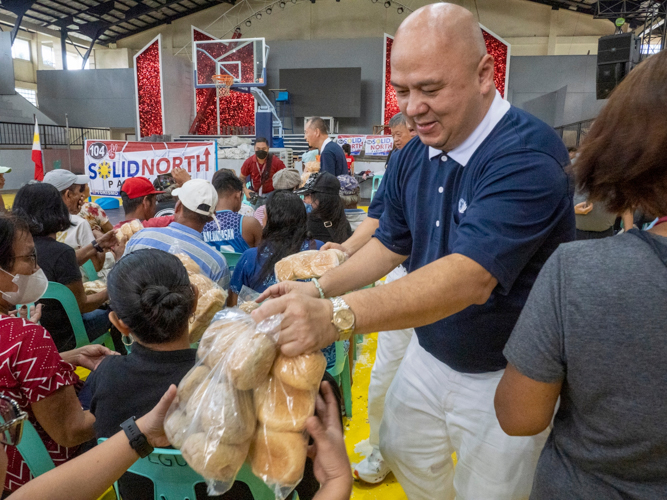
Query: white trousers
391, 347
432, 411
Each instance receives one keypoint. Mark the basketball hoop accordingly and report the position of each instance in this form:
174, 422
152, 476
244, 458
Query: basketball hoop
223, 84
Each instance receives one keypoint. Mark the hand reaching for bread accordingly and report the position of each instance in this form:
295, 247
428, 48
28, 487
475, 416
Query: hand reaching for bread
330, 462
280, 289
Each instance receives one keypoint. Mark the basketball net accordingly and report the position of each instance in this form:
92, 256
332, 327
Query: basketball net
223, 84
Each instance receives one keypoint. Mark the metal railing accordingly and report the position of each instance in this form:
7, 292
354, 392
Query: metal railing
21, 134
574, 133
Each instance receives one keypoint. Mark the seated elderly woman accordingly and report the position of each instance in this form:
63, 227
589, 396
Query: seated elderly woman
43, 205
349, 193
32, 372
152, 301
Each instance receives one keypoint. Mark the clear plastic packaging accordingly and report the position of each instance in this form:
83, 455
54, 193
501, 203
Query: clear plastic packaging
212, 298
245, 401
308, 264
247, 299
127, 230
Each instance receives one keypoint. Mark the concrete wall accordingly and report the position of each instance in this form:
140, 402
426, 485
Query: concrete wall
531, 28
92, 98
557, 89
366, 53
23, 169
6, 66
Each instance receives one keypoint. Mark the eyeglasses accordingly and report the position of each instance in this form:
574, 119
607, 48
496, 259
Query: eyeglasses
11, 421
31, 257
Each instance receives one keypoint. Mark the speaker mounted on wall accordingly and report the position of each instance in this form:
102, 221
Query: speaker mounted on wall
617, 55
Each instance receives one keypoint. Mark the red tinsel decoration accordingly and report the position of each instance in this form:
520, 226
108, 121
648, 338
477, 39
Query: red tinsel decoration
148, 91
499, 52
493, 46
237, 112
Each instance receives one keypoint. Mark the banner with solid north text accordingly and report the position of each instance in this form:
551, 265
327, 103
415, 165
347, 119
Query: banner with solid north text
110, 163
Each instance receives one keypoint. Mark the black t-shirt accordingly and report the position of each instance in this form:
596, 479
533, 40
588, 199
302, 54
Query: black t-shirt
320, 232
58, 261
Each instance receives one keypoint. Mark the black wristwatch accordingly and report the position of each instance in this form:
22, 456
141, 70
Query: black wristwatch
97, 246
138, 440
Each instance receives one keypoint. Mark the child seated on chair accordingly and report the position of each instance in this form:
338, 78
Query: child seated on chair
152, 301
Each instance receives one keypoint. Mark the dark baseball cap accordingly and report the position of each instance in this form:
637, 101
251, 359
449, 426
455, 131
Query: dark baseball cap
320, 182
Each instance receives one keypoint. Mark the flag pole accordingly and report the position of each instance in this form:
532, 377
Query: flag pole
69, 152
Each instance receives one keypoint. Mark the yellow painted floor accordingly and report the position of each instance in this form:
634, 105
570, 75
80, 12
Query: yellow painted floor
357, 429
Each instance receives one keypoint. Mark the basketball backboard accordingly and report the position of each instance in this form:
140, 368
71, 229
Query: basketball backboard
242, 58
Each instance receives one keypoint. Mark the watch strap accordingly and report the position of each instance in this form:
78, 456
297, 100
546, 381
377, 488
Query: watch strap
338, 304
138, 440
97, 246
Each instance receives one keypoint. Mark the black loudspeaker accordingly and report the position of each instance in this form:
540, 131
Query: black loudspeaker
617, 55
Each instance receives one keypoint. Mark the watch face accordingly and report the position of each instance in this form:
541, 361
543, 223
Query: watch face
344, 319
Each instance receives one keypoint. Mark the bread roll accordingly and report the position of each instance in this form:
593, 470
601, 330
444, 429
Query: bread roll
126, 229
176, 427
284, 269
302, 264
248, 307
278, 457
202, 283
302, 372
195, 400
281, 407
212, 459
322, 262
136, 226
122, 239
189, 264
91, 287
229, 412
250, 360
208, 304
219, 338
341, 255
191, 382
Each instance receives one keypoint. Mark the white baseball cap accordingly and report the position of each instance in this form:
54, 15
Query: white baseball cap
62, 179
4, 170
198, 195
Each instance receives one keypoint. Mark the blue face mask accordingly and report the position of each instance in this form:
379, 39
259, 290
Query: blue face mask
309, 208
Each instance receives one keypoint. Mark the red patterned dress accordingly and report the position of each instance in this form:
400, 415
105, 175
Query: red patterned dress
30, 370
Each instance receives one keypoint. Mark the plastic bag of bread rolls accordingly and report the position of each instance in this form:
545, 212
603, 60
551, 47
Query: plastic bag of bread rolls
128, 229
213, 419
308, 264
211, 298
246, 299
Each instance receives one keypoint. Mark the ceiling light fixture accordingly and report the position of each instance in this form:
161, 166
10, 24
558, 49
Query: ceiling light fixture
248, 22
258, 15
269, 10
400, 10
387, 4
282, 5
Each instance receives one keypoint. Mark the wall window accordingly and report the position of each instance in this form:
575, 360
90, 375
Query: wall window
29, 94
21, 49
48, 57
74, 61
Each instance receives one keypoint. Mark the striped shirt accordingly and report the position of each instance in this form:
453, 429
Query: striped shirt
177, 238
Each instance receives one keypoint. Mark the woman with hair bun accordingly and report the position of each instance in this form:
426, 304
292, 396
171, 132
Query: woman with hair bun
152, 301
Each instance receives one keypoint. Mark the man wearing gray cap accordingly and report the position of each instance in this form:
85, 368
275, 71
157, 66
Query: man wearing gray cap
79, 236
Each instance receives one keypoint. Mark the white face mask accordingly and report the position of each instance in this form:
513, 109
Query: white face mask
31, 287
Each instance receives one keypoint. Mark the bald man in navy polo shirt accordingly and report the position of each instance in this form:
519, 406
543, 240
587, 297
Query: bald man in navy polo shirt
479, 204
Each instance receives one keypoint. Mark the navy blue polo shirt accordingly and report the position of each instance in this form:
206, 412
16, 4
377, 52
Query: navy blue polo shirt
332, 159
507, 209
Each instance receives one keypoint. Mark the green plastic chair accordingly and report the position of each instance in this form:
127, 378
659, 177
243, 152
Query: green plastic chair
377, 178
232, 259
175, 480
341, 372
91, 273
34, 452
64, 295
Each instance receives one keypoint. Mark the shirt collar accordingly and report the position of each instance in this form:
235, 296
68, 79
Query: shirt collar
326, 141
186, 229
464, 151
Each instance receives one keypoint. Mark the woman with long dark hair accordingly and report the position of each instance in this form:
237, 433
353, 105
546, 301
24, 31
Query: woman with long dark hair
285, 233
592, 332
43, 205
327, 221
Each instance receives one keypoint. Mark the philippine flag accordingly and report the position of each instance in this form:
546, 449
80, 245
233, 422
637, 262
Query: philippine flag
37, 154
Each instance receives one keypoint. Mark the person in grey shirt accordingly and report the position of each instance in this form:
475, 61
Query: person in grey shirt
592, 332
593, 220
